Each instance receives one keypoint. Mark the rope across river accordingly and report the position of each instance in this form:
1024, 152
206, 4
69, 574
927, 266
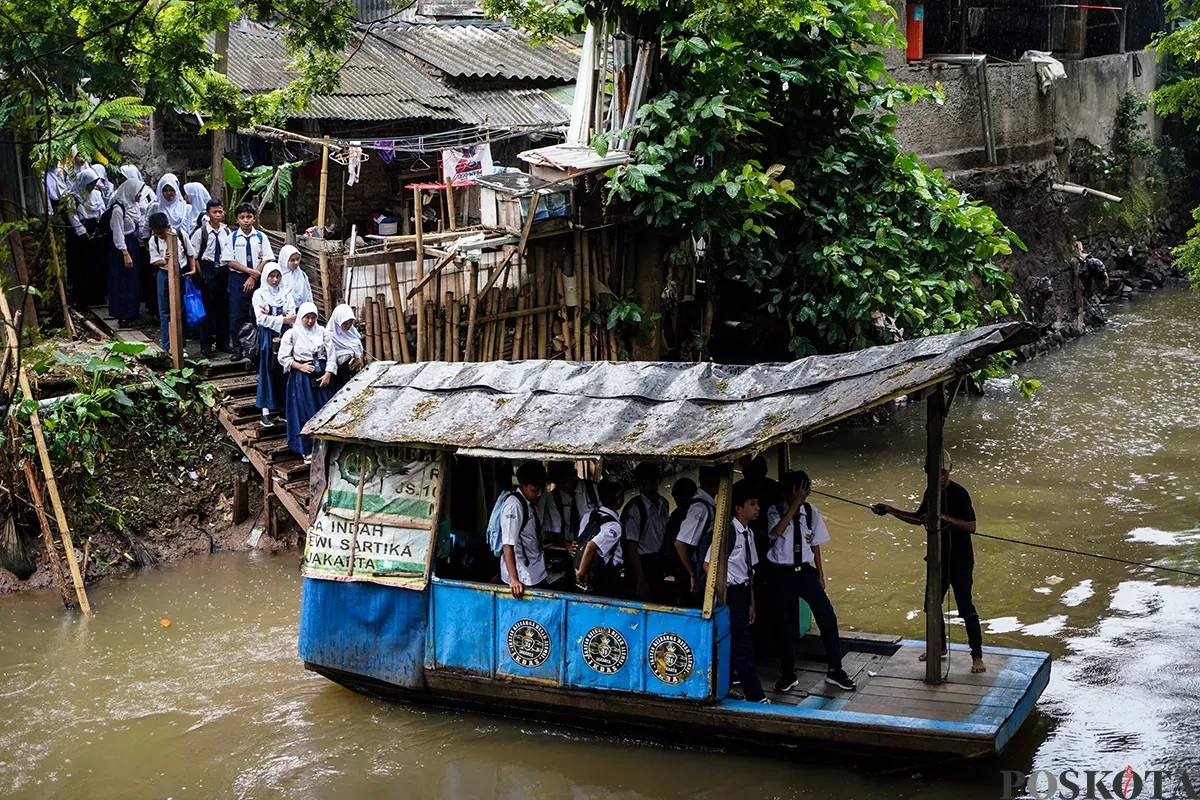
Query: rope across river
1024, 543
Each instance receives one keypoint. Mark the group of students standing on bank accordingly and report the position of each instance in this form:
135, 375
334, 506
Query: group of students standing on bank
248, 294
642, 549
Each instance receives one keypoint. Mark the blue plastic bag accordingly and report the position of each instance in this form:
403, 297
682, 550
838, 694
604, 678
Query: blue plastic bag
193, 304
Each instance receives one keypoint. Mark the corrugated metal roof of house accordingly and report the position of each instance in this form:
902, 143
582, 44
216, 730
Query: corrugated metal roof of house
486, 51
383, 82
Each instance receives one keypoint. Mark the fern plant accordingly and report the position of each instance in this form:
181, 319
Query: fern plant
92, 126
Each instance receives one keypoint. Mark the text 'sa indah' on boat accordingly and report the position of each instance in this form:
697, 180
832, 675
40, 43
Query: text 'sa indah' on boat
399, 595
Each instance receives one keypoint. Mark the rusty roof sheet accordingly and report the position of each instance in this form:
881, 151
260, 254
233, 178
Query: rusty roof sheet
384, 82
699, 412
486, 50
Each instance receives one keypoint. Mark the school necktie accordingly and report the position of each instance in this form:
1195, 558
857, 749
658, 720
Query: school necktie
746, 545
217, 248
249, 258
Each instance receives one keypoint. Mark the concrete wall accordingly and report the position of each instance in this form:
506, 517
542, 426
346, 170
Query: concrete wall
1027, 123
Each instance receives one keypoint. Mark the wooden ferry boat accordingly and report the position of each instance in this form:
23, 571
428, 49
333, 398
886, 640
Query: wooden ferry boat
396, 601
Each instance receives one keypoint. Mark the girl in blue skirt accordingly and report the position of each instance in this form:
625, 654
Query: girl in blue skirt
348, 343
310, 360
275, 313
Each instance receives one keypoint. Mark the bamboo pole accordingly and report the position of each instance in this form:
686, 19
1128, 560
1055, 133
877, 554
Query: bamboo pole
577, 268
455, 332
55, 565
519, 330
447, 322
385, 333
174, 301
402, 353
39, 439
714, 585
68, 323
543, 321
434, 334
321, 204
418, 231
429, 276
376, 330
394, 331
472, 311
365, 316
563, 314
450, 205
585, 307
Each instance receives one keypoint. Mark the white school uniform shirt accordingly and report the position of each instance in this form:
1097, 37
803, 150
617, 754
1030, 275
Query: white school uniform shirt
121, 225
526, 542
158, 251
574, 506
698, 518
264, 297
233, 247
648, 533
742, 557
214, 238
783, 547
302, 344
608, 539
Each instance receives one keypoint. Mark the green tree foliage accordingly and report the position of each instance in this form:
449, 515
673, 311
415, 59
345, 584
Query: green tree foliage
770, 135
71, 70
1181, 95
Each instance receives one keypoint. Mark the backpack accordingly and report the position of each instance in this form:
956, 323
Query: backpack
494, 535
104, 223
706, 536
590, 531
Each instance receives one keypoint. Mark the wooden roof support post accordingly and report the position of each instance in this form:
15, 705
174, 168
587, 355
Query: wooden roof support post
321, 203
174, 301
714, 586
419, 231
39, 439
935, 631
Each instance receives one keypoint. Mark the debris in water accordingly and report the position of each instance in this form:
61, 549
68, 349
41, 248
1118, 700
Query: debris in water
1054, 579
166, 623
255, 535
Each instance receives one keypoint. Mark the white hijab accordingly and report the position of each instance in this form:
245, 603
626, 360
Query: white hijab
198, 197
306, 341
345, 341
82, 180
127, 194
105, 186
179, 213
294, 280
268, 295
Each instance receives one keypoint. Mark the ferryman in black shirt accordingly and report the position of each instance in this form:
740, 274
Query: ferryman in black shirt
958, 559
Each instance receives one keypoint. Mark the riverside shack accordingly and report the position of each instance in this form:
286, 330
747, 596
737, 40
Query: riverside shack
397, 602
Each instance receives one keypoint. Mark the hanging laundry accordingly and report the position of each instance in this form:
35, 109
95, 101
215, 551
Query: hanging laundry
354, 165
386, 149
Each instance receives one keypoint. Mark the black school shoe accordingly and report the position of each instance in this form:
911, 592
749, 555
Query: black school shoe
787, 683
839, 678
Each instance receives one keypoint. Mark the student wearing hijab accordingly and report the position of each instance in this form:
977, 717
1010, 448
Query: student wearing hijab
348, 343
124, 255
57, 186
294, 279
308, 356
83, 207
171, 201
197, 197
145, 199
275, 313
105, 186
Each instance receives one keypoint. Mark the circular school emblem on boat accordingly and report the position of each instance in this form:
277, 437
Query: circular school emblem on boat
604, 650
671, 659
528, 644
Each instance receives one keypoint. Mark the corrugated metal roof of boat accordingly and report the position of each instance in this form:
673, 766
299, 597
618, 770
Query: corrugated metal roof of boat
653, 410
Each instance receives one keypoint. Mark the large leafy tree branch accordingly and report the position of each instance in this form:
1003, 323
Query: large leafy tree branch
769, 136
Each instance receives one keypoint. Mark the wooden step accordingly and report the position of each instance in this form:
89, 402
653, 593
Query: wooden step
235, 386
291, 470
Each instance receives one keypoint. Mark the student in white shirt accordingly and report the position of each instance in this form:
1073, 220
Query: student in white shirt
295, 280
213, 277
645, 521
697, 527
83, 206
185, 261
124, 279
564, 507
739, 593
599, 567
244, 249
522, 563
796, 531
307, 355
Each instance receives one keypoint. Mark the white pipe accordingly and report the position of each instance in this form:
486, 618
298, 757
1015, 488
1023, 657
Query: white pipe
1083, 191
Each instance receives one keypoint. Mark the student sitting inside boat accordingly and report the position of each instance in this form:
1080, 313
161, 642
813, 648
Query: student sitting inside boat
676, 581
697, 526
797, 531
566, 504
739, 594
645, 521
522, 562
599, 562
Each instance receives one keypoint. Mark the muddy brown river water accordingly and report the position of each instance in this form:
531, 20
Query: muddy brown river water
1104, 457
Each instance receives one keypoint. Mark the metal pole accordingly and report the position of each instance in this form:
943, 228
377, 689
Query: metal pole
935, 634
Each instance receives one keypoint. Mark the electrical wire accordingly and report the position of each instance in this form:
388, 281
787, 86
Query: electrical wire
1070, 550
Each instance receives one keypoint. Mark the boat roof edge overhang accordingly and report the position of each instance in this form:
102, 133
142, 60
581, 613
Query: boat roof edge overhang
700, 413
